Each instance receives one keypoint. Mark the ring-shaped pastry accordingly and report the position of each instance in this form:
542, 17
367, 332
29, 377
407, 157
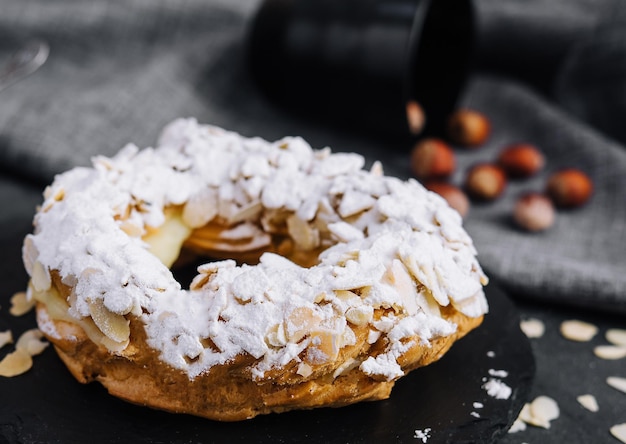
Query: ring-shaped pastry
329, 282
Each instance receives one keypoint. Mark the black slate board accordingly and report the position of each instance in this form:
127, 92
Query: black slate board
48, 405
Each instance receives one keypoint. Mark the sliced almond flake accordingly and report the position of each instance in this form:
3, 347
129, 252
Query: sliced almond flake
360, 315
304, 369
131, 228
29, 254
617, 383
616, 336
540, 412
213, 267
345, 232
234, 246
545, 407
354, 202
346, 367
518, 426
589, 402
114, 326
20, 304
276, 337
15, 363
377, 169
41, 277
246, 212
611, 352
305, 237
324, 347
579, 331
400, 278
114, 346
525, 414
619, 432
6, 337
301, 321
533, 328
31, 342
308, 209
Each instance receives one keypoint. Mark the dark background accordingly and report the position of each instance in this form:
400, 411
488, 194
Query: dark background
552, 73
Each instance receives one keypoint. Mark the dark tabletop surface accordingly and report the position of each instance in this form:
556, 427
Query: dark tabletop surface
564, 369
116, 77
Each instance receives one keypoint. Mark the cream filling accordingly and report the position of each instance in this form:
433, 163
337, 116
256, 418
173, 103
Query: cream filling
166, 243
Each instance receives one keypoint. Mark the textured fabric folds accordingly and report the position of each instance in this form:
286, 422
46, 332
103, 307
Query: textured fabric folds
118, 71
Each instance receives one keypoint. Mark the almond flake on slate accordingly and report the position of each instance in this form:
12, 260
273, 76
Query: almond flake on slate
589, 402
20, 304
6, 337
610, 351
518, 426
619, 432
579, 331
532, 328
31, 342
15, 363
617, 383
540, 412
616, 336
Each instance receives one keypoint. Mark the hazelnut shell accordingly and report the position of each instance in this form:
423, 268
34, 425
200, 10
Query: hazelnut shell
432, 159
569, 188
485, 181
468, 128
521, 160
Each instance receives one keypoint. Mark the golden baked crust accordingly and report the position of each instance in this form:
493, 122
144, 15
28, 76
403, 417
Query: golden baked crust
226, 392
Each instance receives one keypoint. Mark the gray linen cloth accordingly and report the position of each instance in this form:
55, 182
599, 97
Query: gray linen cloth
120, 70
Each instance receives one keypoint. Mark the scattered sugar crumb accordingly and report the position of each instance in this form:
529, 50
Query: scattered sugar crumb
619, 432
617, 383
498, 373
475, 414
491, 354
589, 402
497, 389
533, 328
478, 405
422, 434
578, 331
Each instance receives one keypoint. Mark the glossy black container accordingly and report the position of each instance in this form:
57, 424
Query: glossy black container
356, 63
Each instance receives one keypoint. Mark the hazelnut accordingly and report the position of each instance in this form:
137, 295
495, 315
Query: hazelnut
432, 159
521, 160
569, 188
534, 212
455, 197
415, 117
468, 128
485, 181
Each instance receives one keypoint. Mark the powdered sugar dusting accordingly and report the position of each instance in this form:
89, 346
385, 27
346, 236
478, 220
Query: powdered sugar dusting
422, 435
96, 228
497, 389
